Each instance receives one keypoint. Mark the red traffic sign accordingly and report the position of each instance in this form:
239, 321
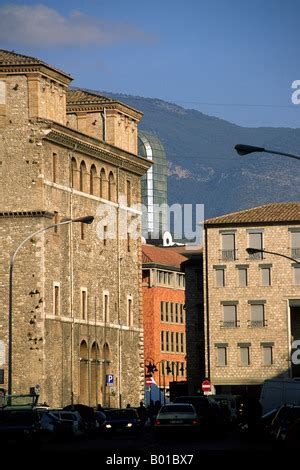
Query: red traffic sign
206, 386
149, 380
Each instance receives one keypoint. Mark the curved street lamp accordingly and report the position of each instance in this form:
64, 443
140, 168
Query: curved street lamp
252, 251
246, 149
88, 219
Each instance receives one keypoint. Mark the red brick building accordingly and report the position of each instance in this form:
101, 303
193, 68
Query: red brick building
164, 315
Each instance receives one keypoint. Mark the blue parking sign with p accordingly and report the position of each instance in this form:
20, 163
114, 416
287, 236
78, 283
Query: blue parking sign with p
109, 379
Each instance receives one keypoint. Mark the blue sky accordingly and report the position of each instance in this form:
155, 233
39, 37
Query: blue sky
235, 59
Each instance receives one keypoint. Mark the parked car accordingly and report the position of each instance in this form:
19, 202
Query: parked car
19, 424
229, 406
70, 422
123, 420
87, 415
285, 426
50, 425
277, 392
208, 411
177, 417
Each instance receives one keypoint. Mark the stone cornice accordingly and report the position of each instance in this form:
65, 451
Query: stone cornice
33, 69
79, 142
113, 105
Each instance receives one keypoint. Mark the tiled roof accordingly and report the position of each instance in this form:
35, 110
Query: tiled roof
84, 97
10, 58
162, 256
278, 212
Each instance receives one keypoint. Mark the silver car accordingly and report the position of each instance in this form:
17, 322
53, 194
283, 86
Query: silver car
177, 416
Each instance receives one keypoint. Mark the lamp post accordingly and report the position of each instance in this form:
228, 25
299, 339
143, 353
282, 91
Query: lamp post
155, 367
252, 251
246, 149
85, 220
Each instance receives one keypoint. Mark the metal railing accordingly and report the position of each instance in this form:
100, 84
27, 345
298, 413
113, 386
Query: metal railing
230, 324
295, 253
257, 323
228, 255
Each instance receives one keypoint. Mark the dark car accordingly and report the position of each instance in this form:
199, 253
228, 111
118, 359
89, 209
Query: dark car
19, 424
208, 412
124, 420
285, 426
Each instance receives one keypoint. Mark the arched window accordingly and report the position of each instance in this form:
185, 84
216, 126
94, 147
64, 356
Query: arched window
111, 187
103, 184
74, 173
93, 181
84, 373
83, 177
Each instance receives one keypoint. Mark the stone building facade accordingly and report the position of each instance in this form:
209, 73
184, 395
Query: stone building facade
77, 311
164, 314
252, 301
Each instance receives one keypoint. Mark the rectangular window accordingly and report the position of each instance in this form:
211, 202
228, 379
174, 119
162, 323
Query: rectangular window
128, 193
229, 313
256, 241
162, 310
84, 303
266, 276
181, 314
295, 244
222, 356
105, 307
181, 342
176, 313
257, 315
56, 299
220, 277
228, 246
167, 311
172, 341
162, 343
129, 311
128, 242
167, 340
177, 342
105, 232
297, 275
245, 355
171, 312
54, 167
243, 277
267, 355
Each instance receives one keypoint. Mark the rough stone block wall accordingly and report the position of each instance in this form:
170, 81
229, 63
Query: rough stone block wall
282, 288
47, 346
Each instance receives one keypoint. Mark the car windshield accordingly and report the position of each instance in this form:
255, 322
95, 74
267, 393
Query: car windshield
121, 414
177, 409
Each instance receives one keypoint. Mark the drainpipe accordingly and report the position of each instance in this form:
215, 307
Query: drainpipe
119, 293
207, 303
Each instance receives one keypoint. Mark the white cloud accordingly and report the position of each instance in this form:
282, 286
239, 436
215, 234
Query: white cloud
38, 25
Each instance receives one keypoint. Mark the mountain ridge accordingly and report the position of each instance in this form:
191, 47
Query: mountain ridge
203, 165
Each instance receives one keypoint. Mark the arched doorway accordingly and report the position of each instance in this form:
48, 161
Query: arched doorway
84, 374
95, 375
106, 370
